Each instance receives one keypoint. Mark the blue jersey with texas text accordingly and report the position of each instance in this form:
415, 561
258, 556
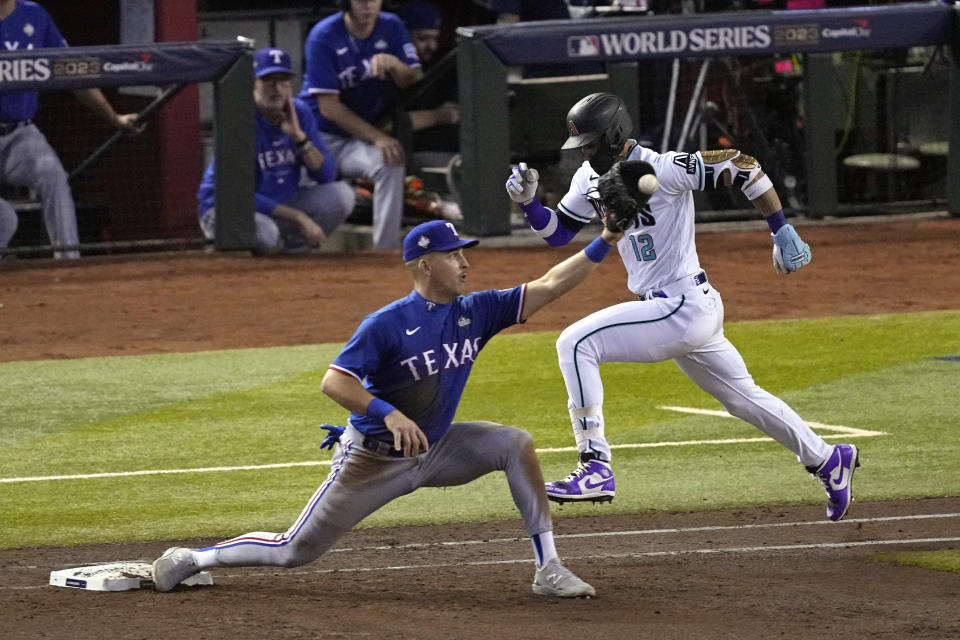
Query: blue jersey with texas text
339, 63
417, 355
28, 27
278, 163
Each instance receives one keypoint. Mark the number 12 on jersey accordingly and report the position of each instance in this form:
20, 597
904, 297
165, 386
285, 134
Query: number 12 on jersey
643, 247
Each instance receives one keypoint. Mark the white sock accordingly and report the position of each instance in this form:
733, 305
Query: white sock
205, 558
543, 549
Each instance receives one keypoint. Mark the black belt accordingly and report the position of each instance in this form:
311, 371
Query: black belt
381, 447
7, 128
698, 279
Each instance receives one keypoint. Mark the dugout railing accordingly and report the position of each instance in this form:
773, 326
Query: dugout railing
496, 62
168, 67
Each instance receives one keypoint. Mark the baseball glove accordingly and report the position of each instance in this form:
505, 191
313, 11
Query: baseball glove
620, 195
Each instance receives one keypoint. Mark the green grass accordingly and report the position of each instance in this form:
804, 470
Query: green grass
253, 407
947, 560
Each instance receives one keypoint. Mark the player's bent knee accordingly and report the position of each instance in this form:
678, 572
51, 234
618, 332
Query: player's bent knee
49, 173
267, 234
571, 345
566, 343
392, 172
516, 440
343, 199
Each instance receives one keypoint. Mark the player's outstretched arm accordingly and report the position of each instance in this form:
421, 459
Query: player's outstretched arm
565, 276
347, 391
555, 229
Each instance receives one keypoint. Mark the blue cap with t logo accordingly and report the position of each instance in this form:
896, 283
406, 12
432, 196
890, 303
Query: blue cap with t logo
435, 235
271, 60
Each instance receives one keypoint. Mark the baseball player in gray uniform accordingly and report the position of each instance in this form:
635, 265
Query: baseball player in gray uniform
26, 158
401, 376
677, 314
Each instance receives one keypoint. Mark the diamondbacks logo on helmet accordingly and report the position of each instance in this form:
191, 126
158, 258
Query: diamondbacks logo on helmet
572, 128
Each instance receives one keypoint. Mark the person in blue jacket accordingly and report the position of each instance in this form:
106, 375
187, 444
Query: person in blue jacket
290, 216
356, 61
26, 157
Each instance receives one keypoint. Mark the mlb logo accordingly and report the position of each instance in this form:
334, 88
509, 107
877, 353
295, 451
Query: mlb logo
583, 46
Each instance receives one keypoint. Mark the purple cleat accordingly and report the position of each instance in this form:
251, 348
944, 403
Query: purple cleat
591, 481
836, 474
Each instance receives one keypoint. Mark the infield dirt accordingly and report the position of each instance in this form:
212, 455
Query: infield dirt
723, 579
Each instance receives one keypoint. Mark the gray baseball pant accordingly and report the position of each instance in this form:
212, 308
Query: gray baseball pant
28, 160
359, 159
327, 204
361, 481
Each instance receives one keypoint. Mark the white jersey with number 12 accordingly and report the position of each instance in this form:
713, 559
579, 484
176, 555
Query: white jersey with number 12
661, 248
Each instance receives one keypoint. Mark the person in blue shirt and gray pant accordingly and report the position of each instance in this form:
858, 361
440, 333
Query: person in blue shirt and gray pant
290, 216
26, 158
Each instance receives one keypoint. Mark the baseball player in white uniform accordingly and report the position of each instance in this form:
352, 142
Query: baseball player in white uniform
677, 315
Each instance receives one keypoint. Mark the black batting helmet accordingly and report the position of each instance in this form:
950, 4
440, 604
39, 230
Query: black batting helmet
599, 117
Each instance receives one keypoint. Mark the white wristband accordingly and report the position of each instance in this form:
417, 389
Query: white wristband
758, 188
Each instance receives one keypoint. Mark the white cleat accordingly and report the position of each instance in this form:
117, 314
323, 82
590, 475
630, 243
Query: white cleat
554, 579
173, 567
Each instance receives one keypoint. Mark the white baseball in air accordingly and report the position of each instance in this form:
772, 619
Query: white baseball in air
648, 183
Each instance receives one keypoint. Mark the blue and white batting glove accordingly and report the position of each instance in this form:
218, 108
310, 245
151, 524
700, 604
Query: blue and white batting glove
789, 251
333, 437
522, 183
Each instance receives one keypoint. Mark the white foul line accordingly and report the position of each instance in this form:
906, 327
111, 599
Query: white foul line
154, 472
838, 432
640, 532
635, 554
850, 432
630, 554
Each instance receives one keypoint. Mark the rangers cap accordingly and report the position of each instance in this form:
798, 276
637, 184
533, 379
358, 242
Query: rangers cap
419, 15
271, 60
435, 235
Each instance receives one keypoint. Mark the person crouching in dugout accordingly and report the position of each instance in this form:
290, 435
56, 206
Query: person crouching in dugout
289, 217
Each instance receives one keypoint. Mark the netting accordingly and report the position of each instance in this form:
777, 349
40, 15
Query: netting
847, 110
130, 192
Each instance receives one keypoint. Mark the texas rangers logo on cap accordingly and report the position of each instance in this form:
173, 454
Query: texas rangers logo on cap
436, 235
271, 60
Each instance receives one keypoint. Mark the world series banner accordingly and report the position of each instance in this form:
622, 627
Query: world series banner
711, 34
117, 65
